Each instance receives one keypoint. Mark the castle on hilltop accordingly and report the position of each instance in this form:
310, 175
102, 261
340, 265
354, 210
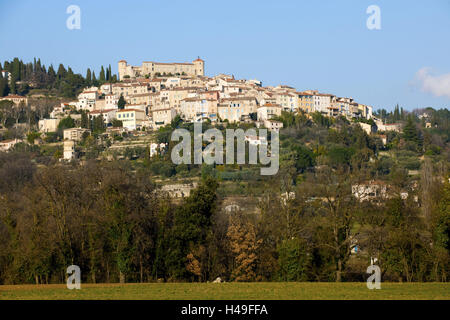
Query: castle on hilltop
150, 68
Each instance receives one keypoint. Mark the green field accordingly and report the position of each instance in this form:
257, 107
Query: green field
230, 291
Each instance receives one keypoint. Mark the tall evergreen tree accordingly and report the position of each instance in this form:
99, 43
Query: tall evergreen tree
108, 74
61, 74
410, 131
12, 87
51, 75
88, 77
84, 120
396, 113
102, 75
15, 69
121, 104
3, 85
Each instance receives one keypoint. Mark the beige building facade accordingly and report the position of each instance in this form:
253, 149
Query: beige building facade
150, 68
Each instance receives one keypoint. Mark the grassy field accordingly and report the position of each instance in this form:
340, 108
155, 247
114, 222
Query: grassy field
230, 291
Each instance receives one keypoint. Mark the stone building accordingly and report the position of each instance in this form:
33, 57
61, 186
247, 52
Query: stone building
150, 68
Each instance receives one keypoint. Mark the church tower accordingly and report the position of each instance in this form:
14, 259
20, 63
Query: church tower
199, 67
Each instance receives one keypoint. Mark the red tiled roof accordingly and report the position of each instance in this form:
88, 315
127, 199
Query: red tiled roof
101, 111
128, 110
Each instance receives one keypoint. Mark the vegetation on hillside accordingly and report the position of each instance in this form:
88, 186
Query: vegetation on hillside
109, 218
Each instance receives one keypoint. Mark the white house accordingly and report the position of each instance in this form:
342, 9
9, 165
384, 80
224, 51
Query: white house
69, 150
108, 114
255, 140
111, 101
370, 190
75, 134
273, 125
268, 111
5, 145
48, 125
131, 118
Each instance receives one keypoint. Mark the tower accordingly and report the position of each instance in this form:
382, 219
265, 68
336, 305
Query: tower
122, 69
199, 67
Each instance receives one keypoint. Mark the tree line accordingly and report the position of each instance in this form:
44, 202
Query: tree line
117, 226
61, 82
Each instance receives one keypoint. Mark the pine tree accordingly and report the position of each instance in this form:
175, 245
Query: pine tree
410, 131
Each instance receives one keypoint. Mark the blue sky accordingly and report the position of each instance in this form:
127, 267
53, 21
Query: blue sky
322, 45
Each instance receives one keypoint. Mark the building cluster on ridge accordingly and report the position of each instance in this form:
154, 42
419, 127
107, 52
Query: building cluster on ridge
155, 93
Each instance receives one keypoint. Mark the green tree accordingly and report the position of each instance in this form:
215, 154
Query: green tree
192, 224
102, 75
294, 260
117, 123
88, 77
84, 120
121, 104
66, 123
410, 131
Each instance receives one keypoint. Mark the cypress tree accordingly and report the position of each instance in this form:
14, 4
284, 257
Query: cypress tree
88, 77
108, 73
396, 113
2, 85
102, 75
12, 87
121, 104
84, 120
61, 74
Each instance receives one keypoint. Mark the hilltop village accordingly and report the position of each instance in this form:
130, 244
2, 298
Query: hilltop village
86, 175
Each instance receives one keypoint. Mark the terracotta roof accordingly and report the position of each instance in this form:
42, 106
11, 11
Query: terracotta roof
270, 105
165, 109
128, 110
238, 98
102, 111
14, 96
9, 141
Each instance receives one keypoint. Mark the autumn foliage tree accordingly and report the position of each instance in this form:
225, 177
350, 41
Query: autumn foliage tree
244, 245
